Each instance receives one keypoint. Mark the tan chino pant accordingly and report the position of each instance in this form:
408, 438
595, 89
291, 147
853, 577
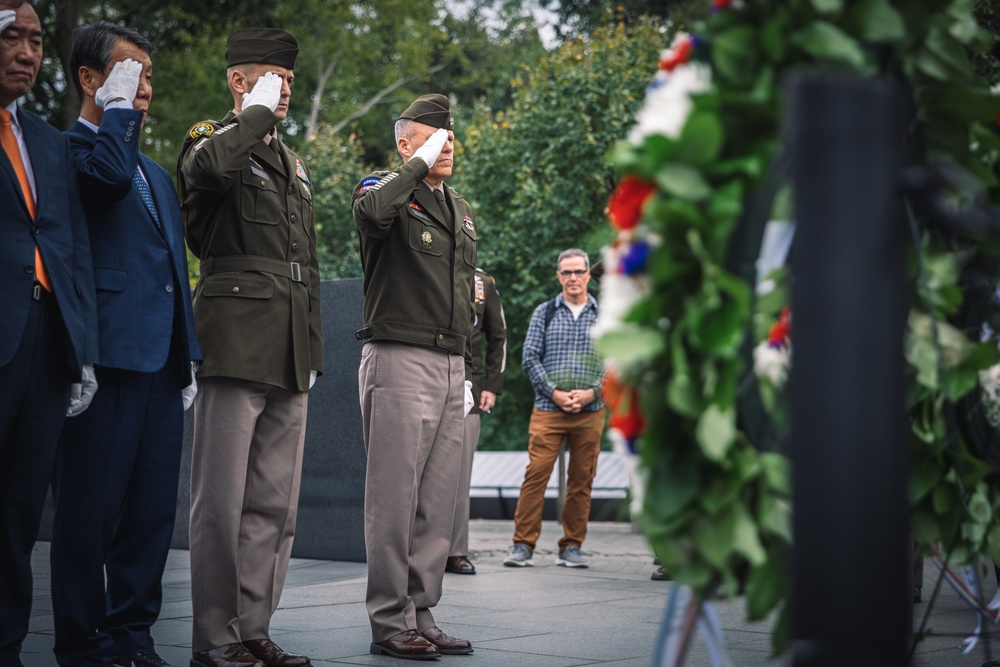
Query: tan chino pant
583, 432
246, 469
412, 403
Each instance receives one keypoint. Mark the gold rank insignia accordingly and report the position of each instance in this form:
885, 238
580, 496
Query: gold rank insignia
426, 238
203, 129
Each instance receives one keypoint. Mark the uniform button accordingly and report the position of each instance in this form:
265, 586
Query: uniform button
263, 183
291, 189
131, 123
440, 336
29, 269
236, 290
294, 217
169, 288
295, 246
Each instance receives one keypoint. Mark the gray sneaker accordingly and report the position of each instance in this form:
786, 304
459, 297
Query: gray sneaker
520, 556
571, 557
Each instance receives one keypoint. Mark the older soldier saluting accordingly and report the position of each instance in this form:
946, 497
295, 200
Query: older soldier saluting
248, 212
418, 251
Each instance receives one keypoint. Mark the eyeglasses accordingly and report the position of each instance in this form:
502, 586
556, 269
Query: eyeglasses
574, 272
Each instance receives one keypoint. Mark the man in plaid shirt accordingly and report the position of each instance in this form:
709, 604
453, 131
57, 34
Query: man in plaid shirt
566, 372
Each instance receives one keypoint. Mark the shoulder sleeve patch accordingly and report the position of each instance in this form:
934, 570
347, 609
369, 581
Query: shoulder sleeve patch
202, 129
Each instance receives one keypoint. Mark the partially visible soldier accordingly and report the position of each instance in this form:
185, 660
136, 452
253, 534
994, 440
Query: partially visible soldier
248, 213
489, 325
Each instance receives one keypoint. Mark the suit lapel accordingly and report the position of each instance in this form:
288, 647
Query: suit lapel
36, 155
156, 188
266, 154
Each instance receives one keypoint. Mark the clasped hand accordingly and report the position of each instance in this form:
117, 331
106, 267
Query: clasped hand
574, 400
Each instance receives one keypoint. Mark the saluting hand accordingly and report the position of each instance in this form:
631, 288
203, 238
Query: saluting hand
431, 149
266, 92
7, 16
121, 84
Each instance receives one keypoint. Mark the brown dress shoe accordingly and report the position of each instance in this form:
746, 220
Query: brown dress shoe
271, 654
407, 645
230, 655
459, 565
447, 645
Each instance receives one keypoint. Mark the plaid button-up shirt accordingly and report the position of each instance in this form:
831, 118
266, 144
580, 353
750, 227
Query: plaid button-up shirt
562, 356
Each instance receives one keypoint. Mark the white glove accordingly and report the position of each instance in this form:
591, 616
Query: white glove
121, 84
7, 16
266, 92
469, 401
431, 149
312, 378
81, 393
189, 392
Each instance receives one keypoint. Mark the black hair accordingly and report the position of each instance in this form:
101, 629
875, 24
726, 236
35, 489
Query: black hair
94, 46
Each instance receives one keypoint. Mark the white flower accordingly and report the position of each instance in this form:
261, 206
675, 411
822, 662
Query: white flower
771, 363
618, 294
989, 380
668, 101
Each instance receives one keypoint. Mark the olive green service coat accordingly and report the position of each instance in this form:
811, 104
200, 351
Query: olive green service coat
418, 271
248, 216
488, 324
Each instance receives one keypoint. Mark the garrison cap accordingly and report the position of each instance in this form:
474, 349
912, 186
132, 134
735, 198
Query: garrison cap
262, 46
433, 110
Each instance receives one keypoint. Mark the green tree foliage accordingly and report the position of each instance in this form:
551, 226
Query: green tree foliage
336, 166
584, 16
538, 179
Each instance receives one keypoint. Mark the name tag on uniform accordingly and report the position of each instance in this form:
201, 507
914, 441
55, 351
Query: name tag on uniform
258, 170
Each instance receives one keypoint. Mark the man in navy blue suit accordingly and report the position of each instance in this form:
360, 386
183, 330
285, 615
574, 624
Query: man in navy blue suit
48, 327
115, 484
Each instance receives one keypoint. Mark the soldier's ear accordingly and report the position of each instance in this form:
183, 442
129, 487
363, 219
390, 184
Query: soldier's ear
238, 81
405, 148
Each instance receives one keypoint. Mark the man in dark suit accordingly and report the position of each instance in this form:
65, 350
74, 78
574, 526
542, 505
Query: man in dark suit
48, 331
115, 482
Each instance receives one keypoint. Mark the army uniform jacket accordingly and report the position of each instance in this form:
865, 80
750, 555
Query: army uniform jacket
418, 270
248, 216
488, 324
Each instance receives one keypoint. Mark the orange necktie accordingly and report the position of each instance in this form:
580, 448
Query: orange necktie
9, 142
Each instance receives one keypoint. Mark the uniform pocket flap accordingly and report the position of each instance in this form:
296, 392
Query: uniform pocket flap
238, 284
110, 280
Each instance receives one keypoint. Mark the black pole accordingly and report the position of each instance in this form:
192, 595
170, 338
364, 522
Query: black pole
851, 555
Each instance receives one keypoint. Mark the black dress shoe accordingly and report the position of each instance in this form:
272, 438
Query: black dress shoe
149, 659
271, 654
230, 655
447, 645
407, 645
459, 565
660, 574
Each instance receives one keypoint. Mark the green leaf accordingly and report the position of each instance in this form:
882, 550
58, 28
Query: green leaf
876, 21
716, 432
735, 54
925, 527
925, 473
714, 536
683, 181
683, 396
721, 331
672, 485
826, 42
776, 517
630, 345
773, 36
960, 381
942, 498
767, 583
746, 539
776, 472
701, 139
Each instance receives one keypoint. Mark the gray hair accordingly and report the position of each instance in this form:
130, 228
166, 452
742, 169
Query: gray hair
403, 128
572, 252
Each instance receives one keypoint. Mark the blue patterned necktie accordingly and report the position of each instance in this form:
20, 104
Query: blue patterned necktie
147, 196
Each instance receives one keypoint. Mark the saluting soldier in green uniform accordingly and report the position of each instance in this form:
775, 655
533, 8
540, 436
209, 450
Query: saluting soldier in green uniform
489, 326
418, 251
248, 213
